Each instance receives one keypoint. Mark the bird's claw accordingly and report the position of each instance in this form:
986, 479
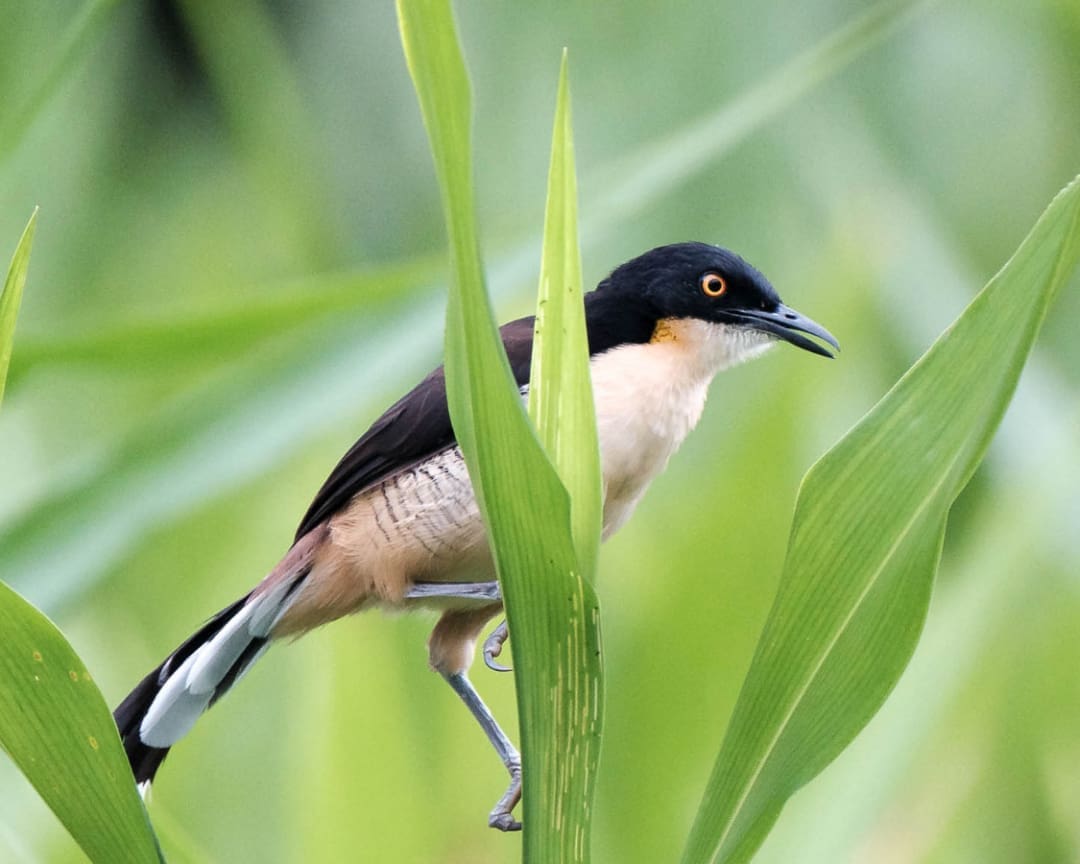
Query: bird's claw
493, 646
504, 822
501, 818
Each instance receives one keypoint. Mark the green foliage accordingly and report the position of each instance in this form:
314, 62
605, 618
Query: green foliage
190, 368
561, 401
189, 338
865, 543
53, 720
551, 607
63, 59
663, 166
267, 114
57, 728
11, 297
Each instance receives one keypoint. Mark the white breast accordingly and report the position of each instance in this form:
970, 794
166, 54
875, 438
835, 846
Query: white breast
649, 396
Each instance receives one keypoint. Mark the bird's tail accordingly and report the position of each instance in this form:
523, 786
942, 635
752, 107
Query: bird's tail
167, 702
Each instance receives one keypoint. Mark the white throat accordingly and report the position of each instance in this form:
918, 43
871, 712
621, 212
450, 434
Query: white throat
649, 396
700, 349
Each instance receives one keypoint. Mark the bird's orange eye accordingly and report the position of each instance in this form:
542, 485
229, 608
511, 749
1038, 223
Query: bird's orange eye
713, 284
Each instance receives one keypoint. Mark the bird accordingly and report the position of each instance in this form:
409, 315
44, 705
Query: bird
396, 524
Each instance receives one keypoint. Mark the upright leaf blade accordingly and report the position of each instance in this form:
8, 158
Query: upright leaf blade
551, 608
11, 297
561, 405
560, 392
54, 723
864, 548
57, 728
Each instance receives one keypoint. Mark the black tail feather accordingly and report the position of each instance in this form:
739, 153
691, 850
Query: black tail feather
145, 759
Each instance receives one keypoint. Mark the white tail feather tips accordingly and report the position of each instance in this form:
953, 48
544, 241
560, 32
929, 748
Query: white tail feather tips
174, 710
214, 659
190, 688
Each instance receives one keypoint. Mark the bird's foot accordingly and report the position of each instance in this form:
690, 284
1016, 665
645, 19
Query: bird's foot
501, 816
493, 646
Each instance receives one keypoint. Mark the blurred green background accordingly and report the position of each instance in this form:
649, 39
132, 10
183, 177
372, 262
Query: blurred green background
239, 264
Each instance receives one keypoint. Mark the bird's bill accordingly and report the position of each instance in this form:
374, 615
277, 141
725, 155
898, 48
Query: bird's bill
787, 324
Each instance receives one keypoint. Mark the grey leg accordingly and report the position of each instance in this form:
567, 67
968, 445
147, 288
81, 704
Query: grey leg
501, 816
493, 647
461, 590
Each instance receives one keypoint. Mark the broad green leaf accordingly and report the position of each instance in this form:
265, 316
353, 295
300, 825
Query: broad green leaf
12, 296
560, 393
551, 608
864, 548
57, 728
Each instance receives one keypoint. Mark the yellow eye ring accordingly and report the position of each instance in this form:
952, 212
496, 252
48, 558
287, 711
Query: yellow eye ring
713, 284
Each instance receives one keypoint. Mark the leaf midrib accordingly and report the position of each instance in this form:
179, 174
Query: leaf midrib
829, 647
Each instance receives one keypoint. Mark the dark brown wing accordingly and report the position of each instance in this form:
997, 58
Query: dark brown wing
413, 428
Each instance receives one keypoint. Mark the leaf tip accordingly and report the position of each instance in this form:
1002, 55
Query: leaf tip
28, 232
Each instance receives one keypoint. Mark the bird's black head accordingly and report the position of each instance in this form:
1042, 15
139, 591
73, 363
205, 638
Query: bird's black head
697, 280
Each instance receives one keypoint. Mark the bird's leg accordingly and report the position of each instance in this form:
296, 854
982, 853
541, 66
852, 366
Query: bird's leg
493, 646
501, 816
461, 590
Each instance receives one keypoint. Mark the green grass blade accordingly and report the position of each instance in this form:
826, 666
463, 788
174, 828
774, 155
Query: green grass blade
662, 166
186, 337
864, 548
550, 607
57, 728
560, 395
11, 297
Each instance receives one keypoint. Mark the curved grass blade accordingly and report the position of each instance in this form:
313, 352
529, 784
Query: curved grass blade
560, 395
864, 547
550, 607
561, 406
57, 728
11, 297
